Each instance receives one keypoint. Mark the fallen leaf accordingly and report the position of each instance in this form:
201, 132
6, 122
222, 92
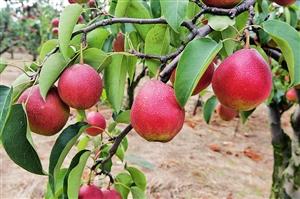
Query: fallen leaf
215, 147
252, 154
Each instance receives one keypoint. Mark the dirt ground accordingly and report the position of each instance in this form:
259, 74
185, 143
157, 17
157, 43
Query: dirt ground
223, 160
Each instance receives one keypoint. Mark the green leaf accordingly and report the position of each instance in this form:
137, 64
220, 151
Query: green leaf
72, 180
220, 23
157, 43
194, 61
114, 81
241, 20
120, 153
229, 45
50, 72
47, 47
97, 37
245, 115
61, 148
5, 104
96, 58
123, 117
3, 64
17, 143
138, 177
124, 143
122, 183
131, 65
288, 40
138, 10
155, 8
83, 142
58, 186
174, 11
137, 193
209, 108
192, 10
20, 84
67, 22
122, 7
103, 154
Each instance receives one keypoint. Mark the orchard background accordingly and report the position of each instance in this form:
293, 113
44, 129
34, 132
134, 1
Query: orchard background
87, 108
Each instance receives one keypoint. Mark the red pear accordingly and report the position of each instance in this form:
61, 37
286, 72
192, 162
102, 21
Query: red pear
92, 3
80, 86
221, 4
55, 31
80, 19
285, 2
97, 122
155, 114
111, 194
204, 82
72, 1
225, 113
45, 117
243, 80
291, 95
55, 22
118, 45
90, 192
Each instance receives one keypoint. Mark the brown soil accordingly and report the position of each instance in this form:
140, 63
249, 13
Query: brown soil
221, 160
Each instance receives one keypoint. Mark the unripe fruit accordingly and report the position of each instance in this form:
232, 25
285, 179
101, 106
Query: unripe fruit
111, 194
118, 45
97, 122
204, 82
285, 2
80, 86
55, 31
90, 192
45, 117
291, 95
225, 113
55, 22
221, 4
243, 80
155, 113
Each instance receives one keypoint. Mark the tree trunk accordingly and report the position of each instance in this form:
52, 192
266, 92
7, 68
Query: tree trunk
281, 152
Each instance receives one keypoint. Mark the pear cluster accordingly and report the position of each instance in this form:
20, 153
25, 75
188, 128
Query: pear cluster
80, 87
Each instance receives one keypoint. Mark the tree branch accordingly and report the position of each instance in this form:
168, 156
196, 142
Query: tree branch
114, 147
233, 12
8, 47
112, 21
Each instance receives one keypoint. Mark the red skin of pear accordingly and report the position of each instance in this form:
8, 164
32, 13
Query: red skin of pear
55, 31
80, 86
92, 3
80, 19
98, 123
111, 194
291, 95
204, 82
243, 80
55, 22
226, 114
45, 117
155, 114
221, 4
118, 45
90, 192
285, 2
72, 1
